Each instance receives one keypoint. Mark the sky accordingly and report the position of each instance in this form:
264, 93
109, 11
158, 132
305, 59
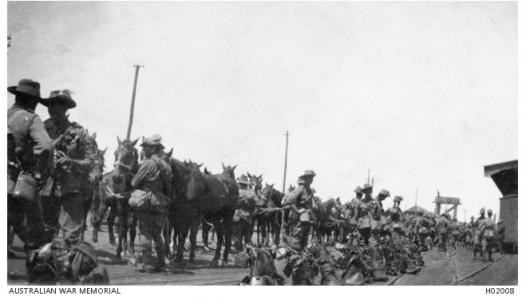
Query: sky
421, 94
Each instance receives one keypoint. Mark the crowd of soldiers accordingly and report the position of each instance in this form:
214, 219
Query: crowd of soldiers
50, 167
382, 241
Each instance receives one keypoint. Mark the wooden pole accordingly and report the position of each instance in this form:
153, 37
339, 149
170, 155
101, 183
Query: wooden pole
286, 158
132, 107
282, 225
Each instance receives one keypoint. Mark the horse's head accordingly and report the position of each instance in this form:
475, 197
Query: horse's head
126, 158
256, 182
167, 156
196, 181
97, 171
229, 170
270, 193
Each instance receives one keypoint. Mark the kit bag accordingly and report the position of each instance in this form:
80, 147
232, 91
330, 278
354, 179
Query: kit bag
140, 199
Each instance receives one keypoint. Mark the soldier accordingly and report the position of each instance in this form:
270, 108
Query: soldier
395, 216
489, 235
74, 158
378, 213
443, 227
29, 151
478, 233
363, 213
300, 203
355, 202
154, 175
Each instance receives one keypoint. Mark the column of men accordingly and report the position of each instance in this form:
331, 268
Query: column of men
366, 214
366, 218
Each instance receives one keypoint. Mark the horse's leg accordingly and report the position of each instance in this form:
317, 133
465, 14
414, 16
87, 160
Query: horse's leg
193, 240
227, 232
111, 222
97, 220
133, 231
182, 233
204, 233
167, 230
219, 231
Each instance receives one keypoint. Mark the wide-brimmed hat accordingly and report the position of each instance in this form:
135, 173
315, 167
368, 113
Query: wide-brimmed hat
384, 193
358, 189
26, 87
308, 173
367, 187
398, 198
62, 97
154, 140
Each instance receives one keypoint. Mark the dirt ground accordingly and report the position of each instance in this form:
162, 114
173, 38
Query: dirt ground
441, 268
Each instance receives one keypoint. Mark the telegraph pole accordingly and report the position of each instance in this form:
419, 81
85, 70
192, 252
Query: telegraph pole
130, 122
368, 176
286, 158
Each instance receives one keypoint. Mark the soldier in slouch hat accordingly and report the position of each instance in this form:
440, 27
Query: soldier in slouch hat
29, 151
74, 157
155, 177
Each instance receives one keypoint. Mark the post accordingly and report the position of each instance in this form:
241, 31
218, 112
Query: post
132, 107
368, 176
286, 157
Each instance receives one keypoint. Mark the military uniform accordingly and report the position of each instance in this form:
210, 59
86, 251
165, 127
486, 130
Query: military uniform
489, 234
29, 150
154, 175
66, 197
478, 231
301, 197
363, 212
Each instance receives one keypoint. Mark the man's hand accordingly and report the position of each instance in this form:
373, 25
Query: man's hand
64, 160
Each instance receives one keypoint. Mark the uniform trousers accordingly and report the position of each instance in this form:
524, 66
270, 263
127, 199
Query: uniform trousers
26, 220
151, 224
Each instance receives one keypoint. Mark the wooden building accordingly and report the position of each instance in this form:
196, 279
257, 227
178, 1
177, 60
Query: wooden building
505, 176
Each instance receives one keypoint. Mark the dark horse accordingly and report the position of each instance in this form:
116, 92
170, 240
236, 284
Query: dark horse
218, 206
115, 191
328, 219
268, 218
184, 213
203, 195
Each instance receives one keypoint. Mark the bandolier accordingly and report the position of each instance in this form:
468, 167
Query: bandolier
74, 158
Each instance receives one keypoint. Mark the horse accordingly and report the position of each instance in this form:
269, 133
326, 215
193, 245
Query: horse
183, 213
327, 218
92, 200
268, 219
115, 191
217, 204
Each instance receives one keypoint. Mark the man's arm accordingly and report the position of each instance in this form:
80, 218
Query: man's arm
146, 169
43, 147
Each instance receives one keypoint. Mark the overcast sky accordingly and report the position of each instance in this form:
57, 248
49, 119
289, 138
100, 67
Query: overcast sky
422, 94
